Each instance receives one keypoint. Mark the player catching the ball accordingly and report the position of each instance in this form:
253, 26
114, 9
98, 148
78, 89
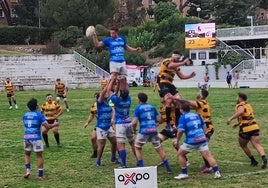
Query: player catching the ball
116, 45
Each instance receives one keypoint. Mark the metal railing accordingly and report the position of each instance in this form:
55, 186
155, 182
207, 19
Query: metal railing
243, 31
90, 65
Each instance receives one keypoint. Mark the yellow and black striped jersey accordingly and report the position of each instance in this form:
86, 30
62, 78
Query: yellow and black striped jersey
162, 112
203, 109
166, 75
60, 88
247, 121
93, 110
49, 110
9, 88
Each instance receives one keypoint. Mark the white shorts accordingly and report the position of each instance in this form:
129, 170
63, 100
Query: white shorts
143, 139
36, 146
120, 68
123, 132
190, 148
102, 134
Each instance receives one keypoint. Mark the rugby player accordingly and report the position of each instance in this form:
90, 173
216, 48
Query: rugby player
61, 90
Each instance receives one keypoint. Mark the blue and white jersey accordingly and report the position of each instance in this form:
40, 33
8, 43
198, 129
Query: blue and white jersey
122, 108
116, 48
33, 122
104, 119
147, 116
193, 127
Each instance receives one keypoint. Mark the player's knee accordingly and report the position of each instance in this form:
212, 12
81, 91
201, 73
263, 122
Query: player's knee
65, 99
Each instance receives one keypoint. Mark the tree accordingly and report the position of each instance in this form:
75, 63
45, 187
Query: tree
81, 13
164, 11
230, 12
27, 13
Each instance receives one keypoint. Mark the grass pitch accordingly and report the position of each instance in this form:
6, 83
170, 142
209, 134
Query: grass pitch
70, 166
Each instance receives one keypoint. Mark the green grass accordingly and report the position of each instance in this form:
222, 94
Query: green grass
70, 166
10, 53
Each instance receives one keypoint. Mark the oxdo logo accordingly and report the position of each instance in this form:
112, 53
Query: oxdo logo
132, 177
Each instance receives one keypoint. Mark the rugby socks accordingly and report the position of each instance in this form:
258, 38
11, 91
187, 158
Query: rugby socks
167, 165
263, 157
10, 104
253, 161
40, 172
98, 162
184, 170
28, 166
57, 138
168, 112
215, 169
15, 102
140, 163
45, 137
123, 156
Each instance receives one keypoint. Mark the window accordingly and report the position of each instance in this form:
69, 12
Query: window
212, 55
202, 55
2, 13
193, 56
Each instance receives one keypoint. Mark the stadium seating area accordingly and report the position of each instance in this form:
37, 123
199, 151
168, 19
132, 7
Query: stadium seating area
36, 72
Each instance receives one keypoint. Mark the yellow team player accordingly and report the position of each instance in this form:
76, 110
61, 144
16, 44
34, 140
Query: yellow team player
202, 108
93, 114
52, 111
104, 82
249, 130
9, 89
61, 91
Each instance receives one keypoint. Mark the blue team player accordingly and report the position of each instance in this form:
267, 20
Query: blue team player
195, 139
116, 45
104, 127
124, 129
147, 116
33, 121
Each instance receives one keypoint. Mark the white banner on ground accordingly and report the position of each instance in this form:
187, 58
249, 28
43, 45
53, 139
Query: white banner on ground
142, 177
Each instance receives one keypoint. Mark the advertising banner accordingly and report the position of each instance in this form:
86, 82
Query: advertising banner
200, 36
141, 177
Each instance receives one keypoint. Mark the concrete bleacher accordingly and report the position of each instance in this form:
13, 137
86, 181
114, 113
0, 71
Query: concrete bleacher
35, 72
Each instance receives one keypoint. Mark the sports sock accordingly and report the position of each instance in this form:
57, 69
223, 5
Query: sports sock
168, 112
167, 165
263, 157
253, 160
45, 137
14, 101
40, 172
10, 104
215, 168
57, 138
184, 170
28, 166
123, 156
98, 162
140, 163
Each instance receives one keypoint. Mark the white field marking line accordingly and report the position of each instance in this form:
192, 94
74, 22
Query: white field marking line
232, 162
245, 174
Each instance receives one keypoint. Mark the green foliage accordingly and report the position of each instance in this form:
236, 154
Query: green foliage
231, 58
101, 30
27, 13
144, 39
18, 35
63, 13
135, 59
53, 47
68, 37
164, 11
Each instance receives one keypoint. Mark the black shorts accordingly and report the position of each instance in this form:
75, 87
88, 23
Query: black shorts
167, 88
168, 133
51, 121
61, 96
248, 135
10, 95
209, 134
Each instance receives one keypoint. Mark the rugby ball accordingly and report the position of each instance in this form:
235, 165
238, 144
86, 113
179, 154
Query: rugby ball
90, 31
